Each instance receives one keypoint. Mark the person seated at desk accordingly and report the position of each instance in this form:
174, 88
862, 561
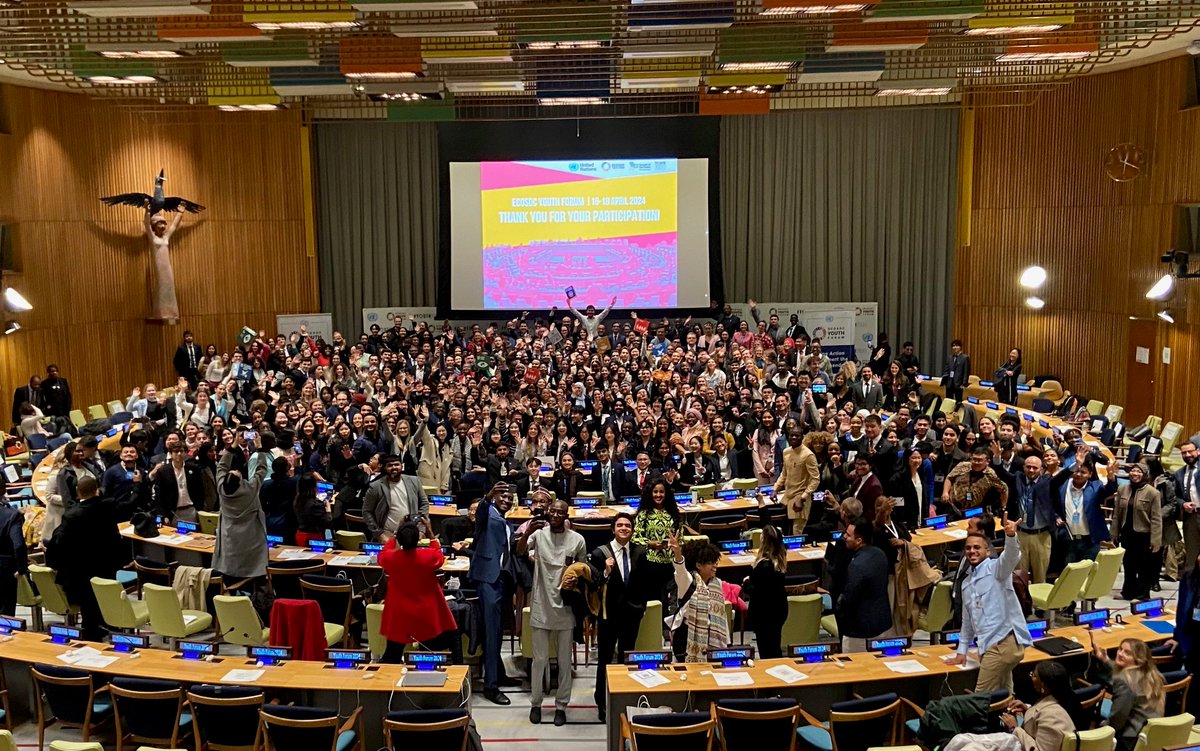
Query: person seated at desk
1054, 716
1136, 686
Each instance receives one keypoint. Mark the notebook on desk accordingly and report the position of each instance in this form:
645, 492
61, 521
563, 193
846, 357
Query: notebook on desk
1057, 646
423, 679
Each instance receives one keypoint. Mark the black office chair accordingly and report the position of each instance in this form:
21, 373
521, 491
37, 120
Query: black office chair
1175, 692
723, 527
149, 711
73, 699
334, 596
284, 577
675, 731
429, 729
853, 725
225, 718
285, 728
150, 571
755, 724
1090, 696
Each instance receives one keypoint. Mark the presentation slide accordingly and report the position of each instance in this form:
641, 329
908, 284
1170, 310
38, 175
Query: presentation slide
524, 232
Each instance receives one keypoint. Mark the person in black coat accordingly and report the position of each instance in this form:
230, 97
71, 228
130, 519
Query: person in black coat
14, 561
619, 564
87, 544
125, 482
1006, 377
166, 485
863, 611
31, 393
501, 466
532, 479
766, 592
610, 470
56, 392
187, 360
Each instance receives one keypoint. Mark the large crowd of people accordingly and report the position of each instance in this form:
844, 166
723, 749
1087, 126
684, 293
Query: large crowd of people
294, 437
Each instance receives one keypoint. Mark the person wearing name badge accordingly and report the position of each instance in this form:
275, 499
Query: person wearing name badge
621, 565
991, 613
798, 480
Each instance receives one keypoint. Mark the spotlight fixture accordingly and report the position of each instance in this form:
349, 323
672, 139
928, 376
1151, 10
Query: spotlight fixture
1033, 277
1179, 261
1035, 302
11, 326
1162, 287
1166, 316
16, 301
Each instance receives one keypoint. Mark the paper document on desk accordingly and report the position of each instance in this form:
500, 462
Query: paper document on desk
296, 554
716, 504
649, 678
190, 619
811, 553
956, 534
243, 676
741, 559
350, 560
738, 678
86, 657
786, 673
906, 666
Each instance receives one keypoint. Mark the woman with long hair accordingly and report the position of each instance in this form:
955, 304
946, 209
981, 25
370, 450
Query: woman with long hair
1055, 715
1006, 377
657, 519
764, 588
763, 449
1136, 687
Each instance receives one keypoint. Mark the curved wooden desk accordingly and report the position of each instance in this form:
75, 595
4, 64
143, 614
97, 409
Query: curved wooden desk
825, 683
322, 685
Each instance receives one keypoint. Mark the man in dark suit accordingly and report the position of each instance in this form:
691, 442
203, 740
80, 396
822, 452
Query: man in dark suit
501, 466
881, 454
532, 479
14, 561
123, 481
867, 393
636, 479
1187, 491
620, 567
863, 612
608, 477
958, 371
187, 360
31, 393
491, 570
56, 392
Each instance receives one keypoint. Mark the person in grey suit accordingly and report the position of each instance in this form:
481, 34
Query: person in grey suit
1187, 493
957, 374
867, 392
393, 500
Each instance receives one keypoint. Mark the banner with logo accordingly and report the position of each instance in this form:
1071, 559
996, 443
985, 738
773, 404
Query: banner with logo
864, 315
383, 317
319, 325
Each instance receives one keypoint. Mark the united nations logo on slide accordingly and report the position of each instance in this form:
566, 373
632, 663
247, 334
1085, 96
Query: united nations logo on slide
574, 167
604, 166
372, 317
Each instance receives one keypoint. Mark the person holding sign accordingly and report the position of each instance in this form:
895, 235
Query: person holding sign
992, 614
589, 318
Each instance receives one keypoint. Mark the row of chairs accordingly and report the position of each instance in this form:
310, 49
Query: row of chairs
221, 718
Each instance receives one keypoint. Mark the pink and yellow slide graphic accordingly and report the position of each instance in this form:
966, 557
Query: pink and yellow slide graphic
605, 227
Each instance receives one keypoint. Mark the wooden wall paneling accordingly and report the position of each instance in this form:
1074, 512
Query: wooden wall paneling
86, 266
1039, 195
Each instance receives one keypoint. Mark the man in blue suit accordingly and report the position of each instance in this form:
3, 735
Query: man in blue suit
1080, 500
491, 570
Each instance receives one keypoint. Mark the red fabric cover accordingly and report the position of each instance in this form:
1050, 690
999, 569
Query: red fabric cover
415, 608
297, 624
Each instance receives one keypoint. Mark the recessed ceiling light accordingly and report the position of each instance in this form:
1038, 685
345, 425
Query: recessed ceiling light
995, 31
814, 10
382, 76
762, 65
916, 91
1033, 277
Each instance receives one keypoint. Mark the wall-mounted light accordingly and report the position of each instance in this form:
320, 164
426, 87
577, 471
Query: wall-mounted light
11, 326
16, 301
1162, 287
1034, 302
1033, 277
1166, 316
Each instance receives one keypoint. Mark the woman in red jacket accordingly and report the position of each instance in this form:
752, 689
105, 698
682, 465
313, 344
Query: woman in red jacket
415, 609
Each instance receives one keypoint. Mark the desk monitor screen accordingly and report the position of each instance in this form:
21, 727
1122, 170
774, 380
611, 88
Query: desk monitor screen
1037, 627
936, 522
320, 546
991, 405
1097, 618
794, 542
951, 638
729, 495
546, 470
632, 501
767, 490
733, 657
1043, 423
8, 624
683, 499
890, 647
129, 642
585, 503
588, 465
1151, 608
347, 659
973, 512
733, 547
647, 660
64, 634
1010, 410
427, 660
630, 464
442, 500
274, 540
195, 650
1023, 387
811, 652
972, 400
986, 384
372, 548
186, 528
269, 655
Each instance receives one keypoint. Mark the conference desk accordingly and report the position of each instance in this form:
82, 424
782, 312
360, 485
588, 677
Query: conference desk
694, 685
369, 686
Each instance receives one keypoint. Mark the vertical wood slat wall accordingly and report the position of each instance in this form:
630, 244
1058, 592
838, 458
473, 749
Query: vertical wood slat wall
85, 267
1040, 195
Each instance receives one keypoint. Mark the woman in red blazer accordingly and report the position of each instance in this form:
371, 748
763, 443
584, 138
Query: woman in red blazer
415, 608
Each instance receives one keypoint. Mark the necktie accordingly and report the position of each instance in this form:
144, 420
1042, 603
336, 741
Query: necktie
605, 482
1189, 484
625, 564
641, 479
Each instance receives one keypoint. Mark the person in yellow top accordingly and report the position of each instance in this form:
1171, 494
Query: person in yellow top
798, 480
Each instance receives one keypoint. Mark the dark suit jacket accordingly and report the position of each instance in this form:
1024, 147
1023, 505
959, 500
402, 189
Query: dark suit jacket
621, 600
496, 472
595, 482
180, 361
87, 544
13, 554
630, 481
25, 394
885, 461
57, 395
872, 400
525, 486
166, 488
862, 609
375, 503
958, 371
